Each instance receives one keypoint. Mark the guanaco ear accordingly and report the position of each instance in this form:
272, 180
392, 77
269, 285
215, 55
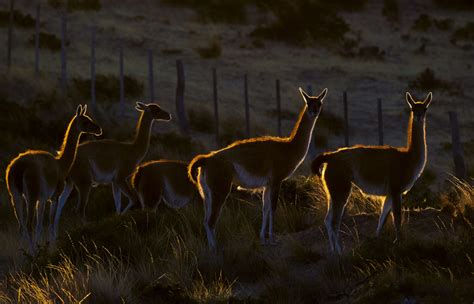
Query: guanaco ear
428, 99
410, 100
84, 109
306, 97
79, 110
323, 94
140, 106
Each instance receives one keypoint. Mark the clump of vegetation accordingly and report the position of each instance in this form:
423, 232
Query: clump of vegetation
202, 120
295, 23
215, 10
108, 87
371, 53
465, 33
19, 19
231, 130
180, 146
171, 51
454, 4
424, 22
76, 5
47, 41
213, 50
426, 80
391, 10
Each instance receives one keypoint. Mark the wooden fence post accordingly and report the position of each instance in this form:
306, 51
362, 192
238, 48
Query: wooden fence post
37, 38
247, 113
216, 104
63, 53
458, 155
121, 81
180, 109
346, 120
380, 120
151, 81
278, 100
93, 95
10, 35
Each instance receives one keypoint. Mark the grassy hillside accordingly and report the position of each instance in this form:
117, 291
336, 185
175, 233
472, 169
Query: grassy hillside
382, 48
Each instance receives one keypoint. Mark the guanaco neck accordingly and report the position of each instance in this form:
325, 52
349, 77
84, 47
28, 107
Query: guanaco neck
67, 153
416, 140
300, 137
142, 137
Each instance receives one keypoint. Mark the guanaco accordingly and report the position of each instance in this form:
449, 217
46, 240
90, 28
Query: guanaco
35, 177
111, 162
377, 170
166, 180
262, 162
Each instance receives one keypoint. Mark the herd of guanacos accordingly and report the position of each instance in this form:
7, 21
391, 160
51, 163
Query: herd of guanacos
38, 178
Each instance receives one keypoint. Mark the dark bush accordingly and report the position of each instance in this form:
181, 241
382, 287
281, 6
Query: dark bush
213, 50
304, 22
371, 53
464, 33
231, 130
422, 23
201, 120
230, 11
77, 5
182, 146
331, 122
19, 19
108, 87
47, 41
426, 80
444, 24
455, 4
391, 11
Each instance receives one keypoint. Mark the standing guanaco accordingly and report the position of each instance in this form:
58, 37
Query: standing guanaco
262, 162
35, 177
376, 170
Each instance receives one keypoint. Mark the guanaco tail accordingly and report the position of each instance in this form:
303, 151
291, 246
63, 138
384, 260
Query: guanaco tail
36, 177
262, 162
111, 162
376, 170
166, 180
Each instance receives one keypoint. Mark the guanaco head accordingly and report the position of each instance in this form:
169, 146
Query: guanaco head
314, 103
419, 108
84, 123
154, 110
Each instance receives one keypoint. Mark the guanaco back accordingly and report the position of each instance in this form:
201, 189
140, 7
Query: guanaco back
165, 180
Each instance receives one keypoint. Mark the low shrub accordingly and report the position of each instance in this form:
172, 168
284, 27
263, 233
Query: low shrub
19, 19
391, 10
201, 120
76, 5
422, 23
215, 10
454, 4
213, 50
465, 33
427, 80
108, 87
295, 23
47, 41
